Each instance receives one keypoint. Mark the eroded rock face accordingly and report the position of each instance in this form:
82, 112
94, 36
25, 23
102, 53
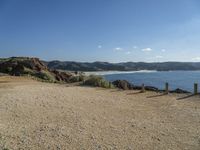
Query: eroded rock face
35, 64
123, 84
19, 66
62, 76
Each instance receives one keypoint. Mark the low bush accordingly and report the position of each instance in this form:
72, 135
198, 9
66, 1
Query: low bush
79, 78
45, 75
97, 81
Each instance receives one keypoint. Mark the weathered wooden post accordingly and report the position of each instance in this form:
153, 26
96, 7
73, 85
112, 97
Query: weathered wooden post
83, 80
166, 88
143, 88
109, 84
195, 88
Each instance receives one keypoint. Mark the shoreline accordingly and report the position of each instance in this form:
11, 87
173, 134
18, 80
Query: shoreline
116, 72
177, 79
137, 86
127, 72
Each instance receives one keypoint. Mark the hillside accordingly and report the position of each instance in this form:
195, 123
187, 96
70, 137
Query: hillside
127, 66
33, 67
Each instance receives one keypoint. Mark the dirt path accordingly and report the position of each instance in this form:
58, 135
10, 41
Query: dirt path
39, 116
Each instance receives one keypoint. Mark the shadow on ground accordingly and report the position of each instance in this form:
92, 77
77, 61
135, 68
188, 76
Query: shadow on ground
117, 90
134, 93
4, 81
163, 94
186, 97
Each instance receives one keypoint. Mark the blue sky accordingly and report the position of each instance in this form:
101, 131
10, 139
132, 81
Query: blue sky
101, 30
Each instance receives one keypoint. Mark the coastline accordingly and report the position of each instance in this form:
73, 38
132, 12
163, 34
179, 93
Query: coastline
116, 72
153, 80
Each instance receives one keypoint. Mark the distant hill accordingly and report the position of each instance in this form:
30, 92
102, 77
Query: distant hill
127, 66
49, 70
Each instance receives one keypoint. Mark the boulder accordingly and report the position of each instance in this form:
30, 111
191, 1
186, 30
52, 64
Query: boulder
151, 88
179, 91
122, 84
125, 85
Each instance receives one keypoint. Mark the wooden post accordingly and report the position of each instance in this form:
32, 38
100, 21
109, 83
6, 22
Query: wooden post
109, 84
195, 89
143, 88
166, 88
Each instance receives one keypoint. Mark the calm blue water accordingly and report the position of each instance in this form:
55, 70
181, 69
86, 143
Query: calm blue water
176, 79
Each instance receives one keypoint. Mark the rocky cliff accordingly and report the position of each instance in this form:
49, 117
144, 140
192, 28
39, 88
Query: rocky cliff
22, 66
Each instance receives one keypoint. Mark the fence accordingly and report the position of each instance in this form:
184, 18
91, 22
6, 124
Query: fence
166, 90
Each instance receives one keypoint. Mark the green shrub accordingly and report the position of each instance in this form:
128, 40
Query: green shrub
28, 71
73, 79
9, 69
97, 81
45, 75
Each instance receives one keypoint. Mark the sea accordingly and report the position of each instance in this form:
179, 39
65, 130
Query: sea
177, 79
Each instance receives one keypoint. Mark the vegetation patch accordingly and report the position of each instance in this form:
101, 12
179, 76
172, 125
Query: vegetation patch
79, 78
97, 81
45, 75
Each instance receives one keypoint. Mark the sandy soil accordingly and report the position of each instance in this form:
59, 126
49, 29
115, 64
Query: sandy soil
40, 116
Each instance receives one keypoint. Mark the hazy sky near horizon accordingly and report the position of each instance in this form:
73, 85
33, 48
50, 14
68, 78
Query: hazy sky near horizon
101, 30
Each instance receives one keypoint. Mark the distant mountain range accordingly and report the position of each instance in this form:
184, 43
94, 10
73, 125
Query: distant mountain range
14, 63
125, 66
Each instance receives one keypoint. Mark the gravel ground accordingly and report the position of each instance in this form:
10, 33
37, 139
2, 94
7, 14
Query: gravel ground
40, 116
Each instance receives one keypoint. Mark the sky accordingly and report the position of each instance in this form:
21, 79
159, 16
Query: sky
101, 30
